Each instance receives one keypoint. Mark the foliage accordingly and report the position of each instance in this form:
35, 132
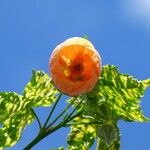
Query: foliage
15, 112
82, 135
119, 94
116, 96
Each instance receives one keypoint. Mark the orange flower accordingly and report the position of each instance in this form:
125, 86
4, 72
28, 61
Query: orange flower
75, 66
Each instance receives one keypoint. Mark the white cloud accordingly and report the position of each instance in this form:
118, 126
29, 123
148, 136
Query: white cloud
137, 11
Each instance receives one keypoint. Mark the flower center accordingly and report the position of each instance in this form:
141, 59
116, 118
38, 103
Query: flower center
76, 69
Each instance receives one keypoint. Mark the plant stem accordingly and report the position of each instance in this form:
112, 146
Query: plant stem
37, 118
52, 110
47, 132
35, 141
61, 114
42, 136
69, 116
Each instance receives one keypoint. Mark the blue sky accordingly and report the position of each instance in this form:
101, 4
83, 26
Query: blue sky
120, 31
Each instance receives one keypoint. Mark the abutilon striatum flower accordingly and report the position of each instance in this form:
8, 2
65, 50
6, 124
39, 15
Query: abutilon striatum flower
75, 66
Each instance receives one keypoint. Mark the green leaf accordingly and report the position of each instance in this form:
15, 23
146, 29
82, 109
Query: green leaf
102, 146
108, 133
108, 137
81, 136
121, 93
115, 96
100, 111
40, 90
15, 110
14, 116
